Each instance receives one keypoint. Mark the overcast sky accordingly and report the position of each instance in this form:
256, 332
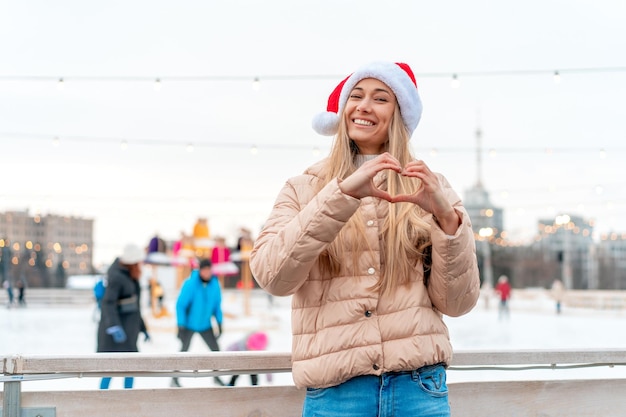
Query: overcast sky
548, 147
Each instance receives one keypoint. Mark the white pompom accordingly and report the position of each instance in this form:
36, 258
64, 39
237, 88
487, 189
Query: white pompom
326, 123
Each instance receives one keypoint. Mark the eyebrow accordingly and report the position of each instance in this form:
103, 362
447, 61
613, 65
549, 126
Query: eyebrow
376, 90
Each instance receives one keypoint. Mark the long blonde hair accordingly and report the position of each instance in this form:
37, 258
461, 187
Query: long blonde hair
405, 236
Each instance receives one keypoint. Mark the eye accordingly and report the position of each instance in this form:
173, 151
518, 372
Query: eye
382, 99
355, 96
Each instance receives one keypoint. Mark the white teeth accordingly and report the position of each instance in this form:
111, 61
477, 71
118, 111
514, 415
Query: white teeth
363, 122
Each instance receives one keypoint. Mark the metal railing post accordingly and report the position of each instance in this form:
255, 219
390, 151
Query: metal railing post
12, 402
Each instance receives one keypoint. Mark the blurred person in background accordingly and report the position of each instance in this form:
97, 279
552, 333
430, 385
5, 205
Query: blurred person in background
503, 289
120, 318
199, 304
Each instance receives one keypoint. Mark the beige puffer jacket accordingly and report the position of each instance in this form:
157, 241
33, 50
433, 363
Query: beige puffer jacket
340, 327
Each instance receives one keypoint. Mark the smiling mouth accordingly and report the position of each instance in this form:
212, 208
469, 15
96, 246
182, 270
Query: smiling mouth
363, 122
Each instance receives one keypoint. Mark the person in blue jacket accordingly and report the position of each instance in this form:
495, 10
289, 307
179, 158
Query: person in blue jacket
199, 303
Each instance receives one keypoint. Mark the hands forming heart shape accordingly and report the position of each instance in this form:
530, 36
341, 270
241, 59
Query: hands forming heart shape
429, 196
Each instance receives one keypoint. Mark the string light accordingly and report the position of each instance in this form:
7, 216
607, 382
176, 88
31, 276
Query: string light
455, 83
556, 77
157, 84
254, 148
190, 147
298, 77
60, 84
256, 84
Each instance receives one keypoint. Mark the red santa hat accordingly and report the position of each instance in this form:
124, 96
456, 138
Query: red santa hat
397, 76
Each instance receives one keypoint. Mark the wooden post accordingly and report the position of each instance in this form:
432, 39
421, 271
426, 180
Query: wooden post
246, 274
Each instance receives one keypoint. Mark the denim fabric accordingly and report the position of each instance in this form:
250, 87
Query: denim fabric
106, 381
419, 393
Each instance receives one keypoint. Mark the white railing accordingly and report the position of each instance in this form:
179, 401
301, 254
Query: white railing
602, 395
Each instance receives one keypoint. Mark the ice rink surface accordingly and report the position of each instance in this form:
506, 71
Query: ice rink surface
532, 324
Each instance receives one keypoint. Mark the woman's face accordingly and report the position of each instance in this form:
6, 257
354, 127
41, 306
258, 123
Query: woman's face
134, 271
369, 111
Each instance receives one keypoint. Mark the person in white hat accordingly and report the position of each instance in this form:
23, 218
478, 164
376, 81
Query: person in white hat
375, 248
120, 319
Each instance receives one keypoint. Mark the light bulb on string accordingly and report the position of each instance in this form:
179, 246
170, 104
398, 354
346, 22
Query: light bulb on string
455, 83
556, 77
60, 84
256, 84
55, 141
190, 147
254, 150
124, 145
157, 84
316, 151
602, 153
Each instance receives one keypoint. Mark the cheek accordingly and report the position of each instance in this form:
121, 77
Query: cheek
349, 109
386, 117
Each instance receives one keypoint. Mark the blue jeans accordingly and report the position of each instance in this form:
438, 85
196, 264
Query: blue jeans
106, 381
419, 393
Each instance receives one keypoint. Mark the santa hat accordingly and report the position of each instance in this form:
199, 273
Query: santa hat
397, 76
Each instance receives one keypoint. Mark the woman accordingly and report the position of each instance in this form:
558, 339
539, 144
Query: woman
374, 248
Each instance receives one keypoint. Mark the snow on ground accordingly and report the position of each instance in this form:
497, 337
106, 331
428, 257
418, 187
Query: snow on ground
533, 324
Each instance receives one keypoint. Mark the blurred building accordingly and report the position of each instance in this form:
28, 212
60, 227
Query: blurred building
487, 219
611, 255
482, 213
569, 240
44, 249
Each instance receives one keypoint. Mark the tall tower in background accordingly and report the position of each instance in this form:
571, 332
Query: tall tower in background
482, 212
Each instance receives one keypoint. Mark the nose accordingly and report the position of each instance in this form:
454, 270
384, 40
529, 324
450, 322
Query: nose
364, 106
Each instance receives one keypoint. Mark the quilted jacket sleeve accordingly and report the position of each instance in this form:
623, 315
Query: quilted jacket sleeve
299, 228
454, 285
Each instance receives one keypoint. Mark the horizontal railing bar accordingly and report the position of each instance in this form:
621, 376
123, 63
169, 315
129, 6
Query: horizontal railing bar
206, 374
228, 363
144, 374
538, 357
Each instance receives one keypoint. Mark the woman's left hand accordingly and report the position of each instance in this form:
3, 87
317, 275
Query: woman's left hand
430, 196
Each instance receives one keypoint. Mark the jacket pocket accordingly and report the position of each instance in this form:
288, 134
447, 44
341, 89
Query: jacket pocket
432, 379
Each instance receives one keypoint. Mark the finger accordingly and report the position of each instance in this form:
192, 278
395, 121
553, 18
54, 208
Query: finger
403, 198
382, 195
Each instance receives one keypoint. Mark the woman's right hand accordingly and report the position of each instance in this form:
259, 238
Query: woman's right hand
361, 182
